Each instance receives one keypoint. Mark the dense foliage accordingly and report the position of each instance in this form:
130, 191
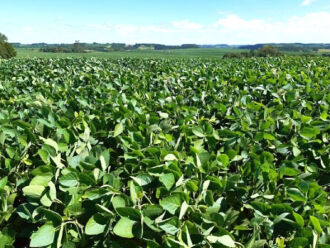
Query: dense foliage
164, 153
76, 47
264, 51
6, 50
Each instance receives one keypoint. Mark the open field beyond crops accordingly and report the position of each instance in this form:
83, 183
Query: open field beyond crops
177, 53
164, 152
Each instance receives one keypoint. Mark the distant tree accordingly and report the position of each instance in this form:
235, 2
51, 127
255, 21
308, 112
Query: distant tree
3, 37
117, 46
185, 46
233, 56
6, 50
268, 50
77, 47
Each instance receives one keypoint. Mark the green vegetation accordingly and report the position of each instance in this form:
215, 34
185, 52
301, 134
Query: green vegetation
207, 53
165, 153
7, 51
78, 47
177, 53
324, 50
265, 51
292, 47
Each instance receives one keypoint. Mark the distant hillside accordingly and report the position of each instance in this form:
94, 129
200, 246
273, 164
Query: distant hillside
216, 46
294, 47
108, 47
101, 47
285, 47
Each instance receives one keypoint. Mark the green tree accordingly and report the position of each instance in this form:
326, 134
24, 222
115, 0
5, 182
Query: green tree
6, 50
3, 37
77, 47
268, 50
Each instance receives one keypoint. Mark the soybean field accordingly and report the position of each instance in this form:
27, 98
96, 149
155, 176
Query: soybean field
165, 152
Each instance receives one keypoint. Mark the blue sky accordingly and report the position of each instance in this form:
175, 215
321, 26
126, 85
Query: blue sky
167, 21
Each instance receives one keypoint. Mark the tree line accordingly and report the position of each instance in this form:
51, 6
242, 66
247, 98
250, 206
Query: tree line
291, 47
264, 51
78, 47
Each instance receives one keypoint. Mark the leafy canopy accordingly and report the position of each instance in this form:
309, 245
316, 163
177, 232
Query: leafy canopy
164, 153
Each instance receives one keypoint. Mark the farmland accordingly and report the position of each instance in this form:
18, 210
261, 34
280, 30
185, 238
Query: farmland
164, 152
205, 53
177, 53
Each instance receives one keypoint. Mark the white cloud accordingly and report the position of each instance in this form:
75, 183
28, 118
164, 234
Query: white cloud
230, 29
27, 29
127, 29
186, 25
233, 22
307, 2
313, 27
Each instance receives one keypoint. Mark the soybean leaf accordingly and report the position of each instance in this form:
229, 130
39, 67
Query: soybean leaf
119, 128
44, 236
124, 228
225, 240
95, 225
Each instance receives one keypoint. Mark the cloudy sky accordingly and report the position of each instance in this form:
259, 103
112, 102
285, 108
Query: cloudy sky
166, 21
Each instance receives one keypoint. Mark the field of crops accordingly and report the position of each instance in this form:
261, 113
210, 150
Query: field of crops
165, 153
